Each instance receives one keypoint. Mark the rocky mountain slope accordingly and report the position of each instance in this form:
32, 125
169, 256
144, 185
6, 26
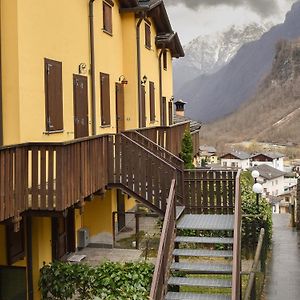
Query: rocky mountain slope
273, 114
208, 53
214, 96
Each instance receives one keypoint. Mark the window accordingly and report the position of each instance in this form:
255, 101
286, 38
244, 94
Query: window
105, 99
225, 163
165, 60
152, 101
147, 36
233, 164
54, 95
107, 16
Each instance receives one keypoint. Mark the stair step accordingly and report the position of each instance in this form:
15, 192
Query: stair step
200, 282
202, 268
206, 222
194, 296
179, 211
202, 253
203, 240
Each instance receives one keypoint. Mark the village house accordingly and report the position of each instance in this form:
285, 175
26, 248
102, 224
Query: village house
236, 159
208, 154
272, 159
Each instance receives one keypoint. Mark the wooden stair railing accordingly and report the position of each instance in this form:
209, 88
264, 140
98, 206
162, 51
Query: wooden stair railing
166, 245
139, 172
236, 263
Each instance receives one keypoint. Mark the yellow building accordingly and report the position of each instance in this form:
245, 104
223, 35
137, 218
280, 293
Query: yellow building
71, 71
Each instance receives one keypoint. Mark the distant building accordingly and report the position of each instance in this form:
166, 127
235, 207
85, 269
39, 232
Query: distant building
272, 159
208, 154
236, 159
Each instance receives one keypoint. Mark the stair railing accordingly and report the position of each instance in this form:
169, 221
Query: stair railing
236, 264
166, 245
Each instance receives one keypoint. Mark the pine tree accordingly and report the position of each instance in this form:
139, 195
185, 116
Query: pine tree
187, 150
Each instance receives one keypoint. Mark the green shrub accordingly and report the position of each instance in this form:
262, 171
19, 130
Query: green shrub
186, 153
108, 281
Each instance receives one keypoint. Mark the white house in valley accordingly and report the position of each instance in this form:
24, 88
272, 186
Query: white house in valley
271, 179
272, 159
236, 159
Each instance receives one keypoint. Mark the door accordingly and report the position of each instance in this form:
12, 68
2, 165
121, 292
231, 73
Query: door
143, 106
63, 235
121, 210
80, 90
164, 111
120, 111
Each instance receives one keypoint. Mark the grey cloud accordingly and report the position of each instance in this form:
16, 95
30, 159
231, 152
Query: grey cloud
262, 7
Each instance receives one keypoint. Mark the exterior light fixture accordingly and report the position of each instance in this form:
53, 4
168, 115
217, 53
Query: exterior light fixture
123, 80
255, 174
257, 187
144, 80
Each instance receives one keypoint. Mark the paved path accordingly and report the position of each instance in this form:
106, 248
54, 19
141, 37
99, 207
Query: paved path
283, 272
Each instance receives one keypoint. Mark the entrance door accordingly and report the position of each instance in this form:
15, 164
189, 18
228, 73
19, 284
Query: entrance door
121, 210
80, 91
63, 235
143, 106
120, 107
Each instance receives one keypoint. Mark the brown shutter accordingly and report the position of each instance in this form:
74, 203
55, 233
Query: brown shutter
107, 17
170, 113
165, 60
152, 101
105, 99
147, 36
164, 111
54, 96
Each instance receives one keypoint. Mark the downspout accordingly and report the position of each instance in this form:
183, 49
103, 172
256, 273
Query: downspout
138, 51
160, 84
93, 77
29, 257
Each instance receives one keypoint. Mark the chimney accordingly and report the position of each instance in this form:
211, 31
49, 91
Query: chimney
180, 107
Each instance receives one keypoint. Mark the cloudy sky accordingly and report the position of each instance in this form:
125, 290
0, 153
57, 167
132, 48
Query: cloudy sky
191, 18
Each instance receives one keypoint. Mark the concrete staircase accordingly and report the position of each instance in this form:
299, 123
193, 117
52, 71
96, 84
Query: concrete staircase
202, 266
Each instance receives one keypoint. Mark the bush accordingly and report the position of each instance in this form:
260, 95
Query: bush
108, 281
186, 153
256, 217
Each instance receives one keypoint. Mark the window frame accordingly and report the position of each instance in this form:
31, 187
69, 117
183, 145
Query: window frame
105, 119
107, 7
165, 60
148, 36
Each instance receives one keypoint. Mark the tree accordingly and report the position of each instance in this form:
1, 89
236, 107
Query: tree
186, 153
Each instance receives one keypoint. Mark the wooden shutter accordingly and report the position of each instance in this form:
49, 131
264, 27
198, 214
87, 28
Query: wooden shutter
165, 60
164, 111
170, 113
107, 17
54, 95
152, 101
105, 99
15, 243
147, 36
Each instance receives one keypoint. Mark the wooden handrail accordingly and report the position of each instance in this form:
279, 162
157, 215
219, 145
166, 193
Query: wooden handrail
166, 244
236, 264
251, 284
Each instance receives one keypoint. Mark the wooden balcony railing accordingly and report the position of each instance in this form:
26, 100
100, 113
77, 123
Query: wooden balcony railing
166, 245
209, 191
139, 172
51, 176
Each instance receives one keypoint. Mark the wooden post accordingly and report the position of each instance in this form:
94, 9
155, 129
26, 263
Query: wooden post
137, 231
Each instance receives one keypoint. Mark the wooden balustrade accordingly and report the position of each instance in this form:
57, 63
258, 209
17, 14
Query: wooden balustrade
51, 176
209, 191
139, 172
166, 245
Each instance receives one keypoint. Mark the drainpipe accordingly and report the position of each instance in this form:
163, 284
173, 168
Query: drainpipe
29, 257
160, 83
138, 51
93, 81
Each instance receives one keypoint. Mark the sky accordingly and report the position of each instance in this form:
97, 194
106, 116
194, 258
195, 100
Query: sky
191, 18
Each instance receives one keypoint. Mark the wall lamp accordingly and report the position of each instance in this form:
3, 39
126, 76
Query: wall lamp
144, 80
123, 80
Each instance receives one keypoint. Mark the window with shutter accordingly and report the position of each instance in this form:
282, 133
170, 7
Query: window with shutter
107, 17
170, 113
147, 36
164, 111
105, 99
15, 243
165, 60
54, 95
152, 101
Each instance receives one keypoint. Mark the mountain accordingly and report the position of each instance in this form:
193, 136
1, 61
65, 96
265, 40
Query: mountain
208, 53
273, 114
216, 95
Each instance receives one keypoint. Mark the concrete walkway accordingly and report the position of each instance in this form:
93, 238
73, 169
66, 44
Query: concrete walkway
283, 272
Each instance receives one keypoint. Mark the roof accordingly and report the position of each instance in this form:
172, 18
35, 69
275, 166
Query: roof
208, 149
238, 154
194, 125
268, 172
272, 155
